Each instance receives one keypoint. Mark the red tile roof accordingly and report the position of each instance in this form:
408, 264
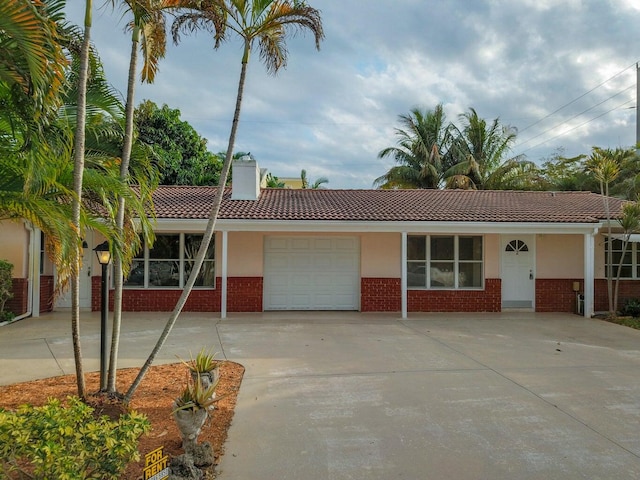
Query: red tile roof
186, 202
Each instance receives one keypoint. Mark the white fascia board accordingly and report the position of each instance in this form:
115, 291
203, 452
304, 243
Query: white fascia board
173, 225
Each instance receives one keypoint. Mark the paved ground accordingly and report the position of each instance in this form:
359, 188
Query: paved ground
359, 396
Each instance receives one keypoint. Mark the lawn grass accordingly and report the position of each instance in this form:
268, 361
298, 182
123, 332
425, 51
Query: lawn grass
633, 322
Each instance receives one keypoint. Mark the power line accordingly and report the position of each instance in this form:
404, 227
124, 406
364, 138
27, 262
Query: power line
576, 115
578, 98
576, 127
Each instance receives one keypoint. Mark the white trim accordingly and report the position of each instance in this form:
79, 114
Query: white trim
323, 226
589, 260
632, 237
403, 275
223, 299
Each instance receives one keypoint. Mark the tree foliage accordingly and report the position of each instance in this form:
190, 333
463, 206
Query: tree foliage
180, 152
432, 153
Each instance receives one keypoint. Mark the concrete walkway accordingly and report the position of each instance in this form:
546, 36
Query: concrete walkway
370, 396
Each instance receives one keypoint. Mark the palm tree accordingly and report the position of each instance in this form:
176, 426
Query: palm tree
419, 151
315, 185
605, 166
31, 59
78, 171
148, 33
478, 157
270, 22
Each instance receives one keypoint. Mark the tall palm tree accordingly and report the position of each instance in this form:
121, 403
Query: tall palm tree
419, 151
270, 22
78, 171
149, 34
478, 157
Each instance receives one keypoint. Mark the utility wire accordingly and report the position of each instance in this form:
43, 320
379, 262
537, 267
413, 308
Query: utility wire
576, 127
576, 99
576, 115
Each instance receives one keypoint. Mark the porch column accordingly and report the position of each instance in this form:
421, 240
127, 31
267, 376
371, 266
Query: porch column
223, 299
589, 259
403, 275
34, 271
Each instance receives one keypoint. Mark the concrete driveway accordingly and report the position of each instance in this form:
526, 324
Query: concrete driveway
370, 396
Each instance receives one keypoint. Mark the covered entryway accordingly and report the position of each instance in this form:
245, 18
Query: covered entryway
518, 259
311, 273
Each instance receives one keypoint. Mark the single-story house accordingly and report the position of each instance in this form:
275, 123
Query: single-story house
363, 250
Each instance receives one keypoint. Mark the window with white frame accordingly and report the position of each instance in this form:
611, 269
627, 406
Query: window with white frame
170, 261
444, 261
630, 261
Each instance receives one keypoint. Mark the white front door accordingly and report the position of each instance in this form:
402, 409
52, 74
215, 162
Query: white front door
518, 275
64, 300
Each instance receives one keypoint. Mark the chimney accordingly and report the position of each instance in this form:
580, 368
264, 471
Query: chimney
246, 179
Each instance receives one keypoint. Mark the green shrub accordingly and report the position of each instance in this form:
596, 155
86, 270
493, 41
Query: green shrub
67, 443
6, 285
631, 308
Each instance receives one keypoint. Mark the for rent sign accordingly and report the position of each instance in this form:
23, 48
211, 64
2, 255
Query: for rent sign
156, 465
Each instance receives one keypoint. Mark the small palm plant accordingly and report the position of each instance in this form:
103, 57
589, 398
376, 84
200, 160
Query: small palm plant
204, 366
191, 409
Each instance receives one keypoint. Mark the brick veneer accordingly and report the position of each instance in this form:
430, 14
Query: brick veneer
244, 295
384, 295
46, 293
487, 300
556, 294
628, 289
19, 302
380, 295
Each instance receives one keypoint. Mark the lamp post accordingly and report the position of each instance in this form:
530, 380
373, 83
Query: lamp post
104, 257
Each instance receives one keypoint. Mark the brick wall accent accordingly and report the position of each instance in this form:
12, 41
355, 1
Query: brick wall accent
19, 302
629, 289
556, 294
380, 295
384, 295
46, 293
487, 300
244, 295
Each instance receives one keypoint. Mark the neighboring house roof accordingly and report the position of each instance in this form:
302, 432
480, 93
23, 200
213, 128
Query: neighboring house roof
186, 202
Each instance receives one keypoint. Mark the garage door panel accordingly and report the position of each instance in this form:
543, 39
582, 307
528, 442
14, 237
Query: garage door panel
300, 243
311, 273
323, 244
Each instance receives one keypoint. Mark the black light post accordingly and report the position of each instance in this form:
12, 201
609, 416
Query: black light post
104, 257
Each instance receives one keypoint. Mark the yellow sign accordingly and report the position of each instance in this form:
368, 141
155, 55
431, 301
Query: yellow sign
156, 465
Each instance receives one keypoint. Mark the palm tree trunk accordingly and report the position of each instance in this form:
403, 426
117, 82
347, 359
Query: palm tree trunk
124, 173
78, 170
206, 239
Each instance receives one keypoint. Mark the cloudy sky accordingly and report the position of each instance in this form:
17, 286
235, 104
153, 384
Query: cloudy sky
563, 72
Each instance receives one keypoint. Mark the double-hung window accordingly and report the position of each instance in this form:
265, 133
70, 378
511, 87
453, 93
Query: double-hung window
444, 261
630, 261
170, 261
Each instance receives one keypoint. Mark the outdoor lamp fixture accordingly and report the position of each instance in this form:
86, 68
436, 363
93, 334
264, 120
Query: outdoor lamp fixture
104, 257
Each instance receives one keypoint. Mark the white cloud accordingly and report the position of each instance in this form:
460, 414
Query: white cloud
332, 111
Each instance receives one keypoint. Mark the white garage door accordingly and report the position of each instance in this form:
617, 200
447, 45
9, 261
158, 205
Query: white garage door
311, 273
